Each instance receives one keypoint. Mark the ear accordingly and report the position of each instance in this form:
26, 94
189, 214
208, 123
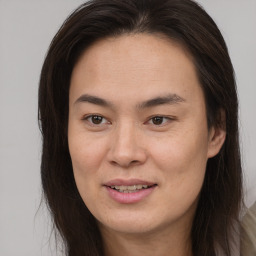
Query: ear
217, 136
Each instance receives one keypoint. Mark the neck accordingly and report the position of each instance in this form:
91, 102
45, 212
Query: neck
155, 243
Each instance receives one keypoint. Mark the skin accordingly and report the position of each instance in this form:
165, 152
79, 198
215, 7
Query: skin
127, 72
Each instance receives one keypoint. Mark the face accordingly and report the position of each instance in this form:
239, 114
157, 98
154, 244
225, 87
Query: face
137, 133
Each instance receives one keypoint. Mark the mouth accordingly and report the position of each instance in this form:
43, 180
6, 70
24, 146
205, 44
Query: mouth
131, 189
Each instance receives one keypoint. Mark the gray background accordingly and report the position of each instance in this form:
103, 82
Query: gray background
26, 29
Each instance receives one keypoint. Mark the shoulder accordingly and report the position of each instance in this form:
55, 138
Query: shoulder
248, 232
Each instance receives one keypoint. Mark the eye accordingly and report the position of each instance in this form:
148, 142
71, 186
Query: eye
96, 119
159, 120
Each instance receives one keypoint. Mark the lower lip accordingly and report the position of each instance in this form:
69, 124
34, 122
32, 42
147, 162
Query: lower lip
129, 198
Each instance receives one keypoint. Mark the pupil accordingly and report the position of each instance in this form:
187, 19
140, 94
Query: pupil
157, 120
96, 119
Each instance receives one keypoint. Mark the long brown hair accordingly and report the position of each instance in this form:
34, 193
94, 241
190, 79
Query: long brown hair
188, 24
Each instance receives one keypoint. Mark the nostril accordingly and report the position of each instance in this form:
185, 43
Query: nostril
127, 164
114, 163
126, 157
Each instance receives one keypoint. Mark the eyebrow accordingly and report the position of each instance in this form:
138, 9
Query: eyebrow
160, 100
94, 100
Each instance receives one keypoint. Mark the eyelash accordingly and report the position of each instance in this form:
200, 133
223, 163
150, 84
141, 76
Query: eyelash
167, 119
87, 118
150, 120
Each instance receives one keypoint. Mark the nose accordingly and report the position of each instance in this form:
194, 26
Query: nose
127, 147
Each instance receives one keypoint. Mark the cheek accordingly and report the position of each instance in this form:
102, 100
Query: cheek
182, 153
182, 161
86, 152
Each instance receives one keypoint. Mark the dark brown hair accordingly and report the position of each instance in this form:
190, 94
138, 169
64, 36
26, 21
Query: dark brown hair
188, 24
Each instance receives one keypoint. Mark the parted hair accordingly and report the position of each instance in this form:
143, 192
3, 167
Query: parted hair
185, 22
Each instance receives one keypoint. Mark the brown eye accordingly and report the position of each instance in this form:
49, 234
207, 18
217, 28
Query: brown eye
157, 120
160, 120
96, 119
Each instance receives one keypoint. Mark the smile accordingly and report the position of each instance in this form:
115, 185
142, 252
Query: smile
130, 189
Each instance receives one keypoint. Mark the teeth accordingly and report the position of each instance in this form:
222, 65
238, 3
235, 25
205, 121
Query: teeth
129, 189
122, 187
132, 187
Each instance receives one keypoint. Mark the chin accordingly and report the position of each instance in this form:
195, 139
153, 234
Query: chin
128, 223
132, 223
129, 227
150, 221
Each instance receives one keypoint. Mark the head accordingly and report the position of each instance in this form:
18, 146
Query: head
157, 36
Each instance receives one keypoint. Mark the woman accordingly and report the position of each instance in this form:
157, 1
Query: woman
138, 112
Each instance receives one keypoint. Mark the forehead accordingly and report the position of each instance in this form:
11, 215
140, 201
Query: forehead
135, 65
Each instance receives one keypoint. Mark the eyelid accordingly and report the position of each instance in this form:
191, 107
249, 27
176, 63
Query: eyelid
168, 119
87, 117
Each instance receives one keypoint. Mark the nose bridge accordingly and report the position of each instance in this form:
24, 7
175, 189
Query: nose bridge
126, 136
126, 146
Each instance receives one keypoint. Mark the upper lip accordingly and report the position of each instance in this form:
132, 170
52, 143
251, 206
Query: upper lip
130, 182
